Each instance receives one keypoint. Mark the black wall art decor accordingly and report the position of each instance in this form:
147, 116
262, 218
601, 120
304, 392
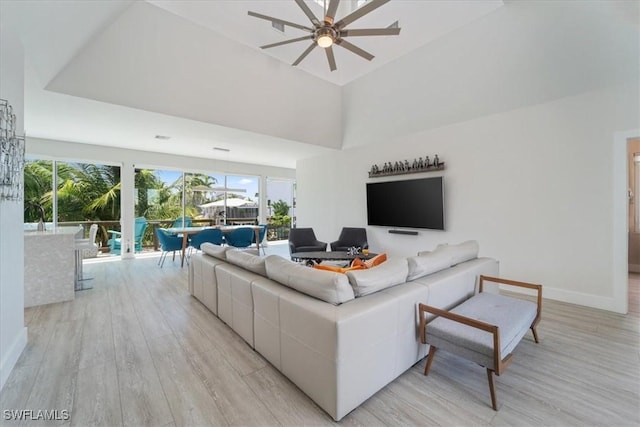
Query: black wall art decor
401, 167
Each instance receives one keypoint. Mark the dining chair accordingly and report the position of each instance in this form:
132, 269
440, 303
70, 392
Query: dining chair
211, 235
241, 237
261, 235
183, 221
168, 243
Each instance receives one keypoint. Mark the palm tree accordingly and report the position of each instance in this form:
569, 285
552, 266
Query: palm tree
88, 191
194, 190
37, 182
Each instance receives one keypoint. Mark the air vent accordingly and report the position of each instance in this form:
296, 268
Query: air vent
394, 25
162, 137
278, 26
226, 150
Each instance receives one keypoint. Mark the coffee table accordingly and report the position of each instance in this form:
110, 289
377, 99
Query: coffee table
319, 256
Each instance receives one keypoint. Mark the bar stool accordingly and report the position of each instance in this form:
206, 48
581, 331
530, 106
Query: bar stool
80, 246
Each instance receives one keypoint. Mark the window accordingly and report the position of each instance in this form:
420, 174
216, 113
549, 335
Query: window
163, 196
38, 194
85, 193
281, 201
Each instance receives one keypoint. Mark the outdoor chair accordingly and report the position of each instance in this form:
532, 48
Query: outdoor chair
350, 237
168, 243
115, 243
304, 240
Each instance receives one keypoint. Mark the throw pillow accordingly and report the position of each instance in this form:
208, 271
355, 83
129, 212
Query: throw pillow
337, 269
358, 262
376, 260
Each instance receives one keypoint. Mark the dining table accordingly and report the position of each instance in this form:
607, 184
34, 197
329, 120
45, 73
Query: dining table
187, 231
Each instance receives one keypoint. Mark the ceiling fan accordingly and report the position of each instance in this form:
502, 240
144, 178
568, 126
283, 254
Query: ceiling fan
328, 32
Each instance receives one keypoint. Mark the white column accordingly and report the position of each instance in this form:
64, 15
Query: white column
127, 208
13, 333
262, 191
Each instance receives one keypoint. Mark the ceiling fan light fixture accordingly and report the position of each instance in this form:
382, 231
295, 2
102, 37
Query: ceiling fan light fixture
328, 32
325, 37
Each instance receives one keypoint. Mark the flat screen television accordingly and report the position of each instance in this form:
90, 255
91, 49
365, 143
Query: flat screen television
414, 203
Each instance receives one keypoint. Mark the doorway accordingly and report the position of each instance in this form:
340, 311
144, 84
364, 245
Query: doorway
633, 230
633, 179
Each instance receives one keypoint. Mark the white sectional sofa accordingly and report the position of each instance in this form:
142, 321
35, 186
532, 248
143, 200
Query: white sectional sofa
339, 337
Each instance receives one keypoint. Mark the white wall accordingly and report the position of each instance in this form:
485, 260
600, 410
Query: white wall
533, 185
13, 334
524, 53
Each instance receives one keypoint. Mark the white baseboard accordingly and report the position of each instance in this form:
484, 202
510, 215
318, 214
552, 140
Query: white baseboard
12, 354
579, 298
634, 268
572, 297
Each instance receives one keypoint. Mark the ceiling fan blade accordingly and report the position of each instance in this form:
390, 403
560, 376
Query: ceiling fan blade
280, 21
331, 11
308, 12
355, 49
331, 58
267, 46
305, 53
369, 6
370, 32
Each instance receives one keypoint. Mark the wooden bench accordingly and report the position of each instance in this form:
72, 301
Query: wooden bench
485, 329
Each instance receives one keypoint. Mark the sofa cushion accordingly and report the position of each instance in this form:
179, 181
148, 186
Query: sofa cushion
458, 253
385, 275
327, 286
247, 261
214, 250
428, 263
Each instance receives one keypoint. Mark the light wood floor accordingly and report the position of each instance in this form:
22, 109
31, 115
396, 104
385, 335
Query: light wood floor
138, 350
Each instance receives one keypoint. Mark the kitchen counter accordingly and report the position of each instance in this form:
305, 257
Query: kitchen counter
49, 265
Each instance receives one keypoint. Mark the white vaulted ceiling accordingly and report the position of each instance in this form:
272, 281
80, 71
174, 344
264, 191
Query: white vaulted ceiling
117, 73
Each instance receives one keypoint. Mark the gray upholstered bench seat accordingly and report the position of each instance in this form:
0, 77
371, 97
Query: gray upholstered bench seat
483, 328
512, 316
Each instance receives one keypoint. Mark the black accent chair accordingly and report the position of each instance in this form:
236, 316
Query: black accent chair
349, 237
304, 240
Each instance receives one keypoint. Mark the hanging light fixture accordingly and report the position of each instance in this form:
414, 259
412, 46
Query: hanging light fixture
326, 36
